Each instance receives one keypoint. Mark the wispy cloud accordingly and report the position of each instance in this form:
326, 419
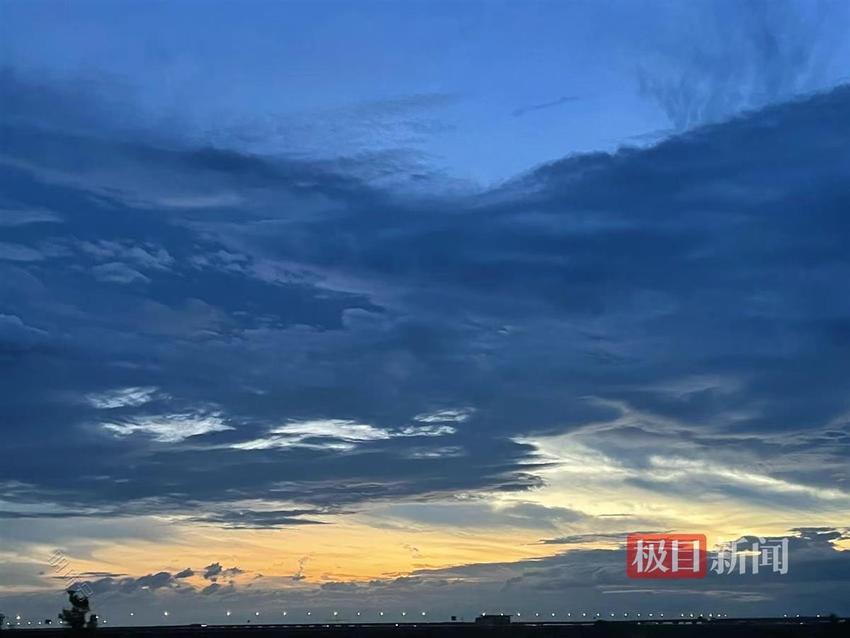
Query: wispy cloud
122, 397
170, 428
25, 216
338, 434
525, 110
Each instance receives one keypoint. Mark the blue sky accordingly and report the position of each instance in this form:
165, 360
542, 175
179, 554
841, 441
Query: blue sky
501, 86
341, 306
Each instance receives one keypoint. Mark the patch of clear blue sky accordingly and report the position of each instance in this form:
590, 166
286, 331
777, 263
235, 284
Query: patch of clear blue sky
501, 86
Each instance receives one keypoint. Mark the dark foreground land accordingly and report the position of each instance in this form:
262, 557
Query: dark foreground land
725, 628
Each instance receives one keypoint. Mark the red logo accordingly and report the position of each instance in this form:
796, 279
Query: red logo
665, 556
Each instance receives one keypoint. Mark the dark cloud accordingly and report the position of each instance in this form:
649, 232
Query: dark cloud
608, 537
247, 519
566, 279
291, 324
212, 571
129, 585
100, 575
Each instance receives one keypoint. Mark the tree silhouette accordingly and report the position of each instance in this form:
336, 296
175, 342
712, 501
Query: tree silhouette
75, 617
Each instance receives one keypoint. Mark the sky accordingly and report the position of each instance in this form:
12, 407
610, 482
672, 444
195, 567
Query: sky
421, 307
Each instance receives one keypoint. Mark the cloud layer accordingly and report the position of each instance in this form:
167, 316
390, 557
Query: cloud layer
253, 342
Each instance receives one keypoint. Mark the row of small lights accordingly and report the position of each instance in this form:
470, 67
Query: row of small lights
553, 614
18, 621
518, 615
